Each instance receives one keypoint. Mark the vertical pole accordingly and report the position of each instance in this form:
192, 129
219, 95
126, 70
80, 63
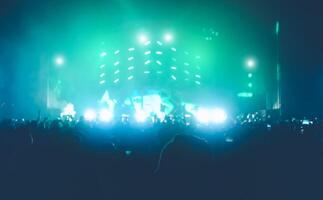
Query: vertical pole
278, 72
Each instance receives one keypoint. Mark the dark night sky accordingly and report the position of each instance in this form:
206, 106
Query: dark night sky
301, 46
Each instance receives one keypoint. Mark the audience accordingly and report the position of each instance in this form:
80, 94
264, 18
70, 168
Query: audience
78, 160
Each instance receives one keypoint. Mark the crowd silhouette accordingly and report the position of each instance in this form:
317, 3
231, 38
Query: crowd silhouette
78, 160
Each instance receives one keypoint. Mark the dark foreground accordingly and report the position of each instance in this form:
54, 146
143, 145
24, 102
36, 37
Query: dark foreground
55, 160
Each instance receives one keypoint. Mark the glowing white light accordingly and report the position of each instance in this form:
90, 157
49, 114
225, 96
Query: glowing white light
59, 60
141, 116
159, 63
143, 38
203, 115
159, 43
102, 54
147, 52
89, 115
105, 115
116, 63
131, 58
102, 75
168, 37
218, 116
251, 63
147, 43
102, 82
68, 110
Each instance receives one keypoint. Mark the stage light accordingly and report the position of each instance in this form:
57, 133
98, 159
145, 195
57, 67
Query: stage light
147, 52
105, 115
59, 60
218, 116
102, 54
250, 75
131, 58
143, 38
250, 85
102, 75
168, 37
140, 116
203, 115
159, 43
89, 115
116, 63
68, 110
245, 94
251, 63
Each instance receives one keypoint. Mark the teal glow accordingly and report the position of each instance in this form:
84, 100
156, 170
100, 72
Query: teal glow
147, 52
103, 54
116, 63
245, 94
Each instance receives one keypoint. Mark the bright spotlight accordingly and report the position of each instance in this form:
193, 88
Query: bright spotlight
168, 37
143, 38
218, 116
68, 110
105, 115
59, 60
203, 115
251, 63
89, 115
141, 116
